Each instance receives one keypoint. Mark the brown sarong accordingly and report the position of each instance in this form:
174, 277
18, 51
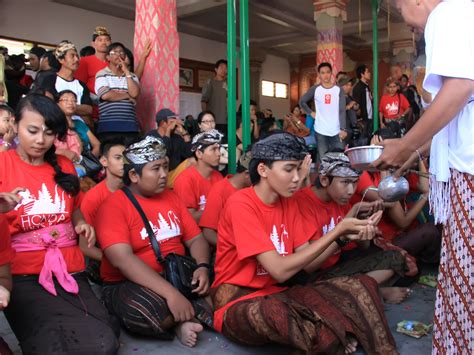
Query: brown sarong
315, 318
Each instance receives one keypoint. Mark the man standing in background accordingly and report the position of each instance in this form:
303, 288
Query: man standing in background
363, 96
214, 95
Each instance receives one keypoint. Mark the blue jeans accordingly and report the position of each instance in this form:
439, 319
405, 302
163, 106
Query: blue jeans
328, 144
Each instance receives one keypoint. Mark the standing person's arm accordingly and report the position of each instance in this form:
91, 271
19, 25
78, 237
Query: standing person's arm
142, 61
85, 107
358, 93
206, 95
308, 96
342, 113
133, 88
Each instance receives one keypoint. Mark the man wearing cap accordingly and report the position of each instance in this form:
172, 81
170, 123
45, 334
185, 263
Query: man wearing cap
90, 65
262, 241
218, 196
177, 140
134, 289
194, 183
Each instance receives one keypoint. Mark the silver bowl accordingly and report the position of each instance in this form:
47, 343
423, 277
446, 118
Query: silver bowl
362, 157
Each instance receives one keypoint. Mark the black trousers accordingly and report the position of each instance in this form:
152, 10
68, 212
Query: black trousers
62, 324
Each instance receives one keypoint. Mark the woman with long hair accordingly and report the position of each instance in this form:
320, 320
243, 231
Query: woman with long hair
52, 308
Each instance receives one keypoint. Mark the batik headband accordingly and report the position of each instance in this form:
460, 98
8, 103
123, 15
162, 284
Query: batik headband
245, 159
205, 139
280, 146
337, 164
101, 31
62, 48
147, 150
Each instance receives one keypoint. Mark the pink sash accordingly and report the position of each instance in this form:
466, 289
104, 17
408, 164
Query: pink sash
50, 239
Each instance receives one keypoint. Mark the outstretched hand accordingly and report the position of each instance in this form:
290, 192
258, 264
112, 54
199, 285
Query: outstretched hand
395, 154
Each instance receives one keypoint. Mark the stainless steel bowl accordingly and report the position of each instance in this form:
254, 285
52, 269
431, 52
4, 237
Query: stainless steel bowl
390, 190
362, 157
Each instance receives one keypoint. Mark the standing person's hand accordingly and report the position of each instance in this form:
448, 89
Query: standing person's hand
342, 134
394, 155
4, 298
147, 48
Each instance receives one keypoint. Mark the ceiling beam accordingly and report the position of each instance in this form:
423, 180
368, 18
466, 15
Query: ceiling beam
290, 19
188, 8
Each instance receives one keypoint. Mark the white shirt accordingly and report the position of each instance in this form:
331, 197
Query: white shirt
449, 36
326, 102
368, 100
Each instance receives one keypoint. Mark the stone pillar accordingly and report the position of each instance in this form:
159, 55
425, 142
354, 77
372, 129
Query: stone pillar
403, 51
156, 20
403, 58
329, 16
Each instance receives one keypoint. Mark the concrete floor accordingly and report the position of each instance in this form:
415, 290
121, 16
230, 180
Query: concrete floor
419, 306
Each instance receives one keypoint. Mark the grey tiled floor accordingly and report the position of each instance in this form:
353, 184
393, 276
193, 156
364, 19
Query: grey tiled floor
419, 306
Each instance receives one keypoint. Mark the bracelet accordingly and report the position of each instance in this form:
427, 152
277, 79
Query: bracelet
420, 156
6, 144
128, 76
206, 265
423, 196
341, 243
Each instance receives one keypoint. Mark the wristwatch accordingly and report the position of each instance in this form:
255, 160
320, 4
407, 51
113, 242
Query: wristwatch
206, 265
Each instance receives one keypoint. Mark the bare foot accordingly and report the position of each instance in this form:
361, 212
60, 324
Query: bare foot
187, 333
394, 295
351, 346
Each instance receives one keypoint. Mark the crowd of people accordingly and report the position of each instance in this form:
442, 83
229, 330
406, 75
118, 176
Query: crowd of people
296, 248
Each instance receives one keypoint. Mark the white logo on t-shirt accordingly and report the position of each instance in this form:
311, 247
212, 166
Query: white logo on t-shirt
166, 229
392, 108
279, 243
329, 227
202, 202
41, 211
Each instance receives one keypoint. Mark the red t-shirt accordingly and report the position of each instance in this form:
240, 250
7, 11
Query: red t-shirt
43, 204
193, 188
247, 228
325, 216
118, 221
216, 200
6, 252
93, 199
393, 106
88, 68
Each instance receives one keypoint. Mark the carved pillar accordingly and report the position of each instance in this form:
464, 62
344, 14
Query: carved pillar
329, 16
403, 51
156, 20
